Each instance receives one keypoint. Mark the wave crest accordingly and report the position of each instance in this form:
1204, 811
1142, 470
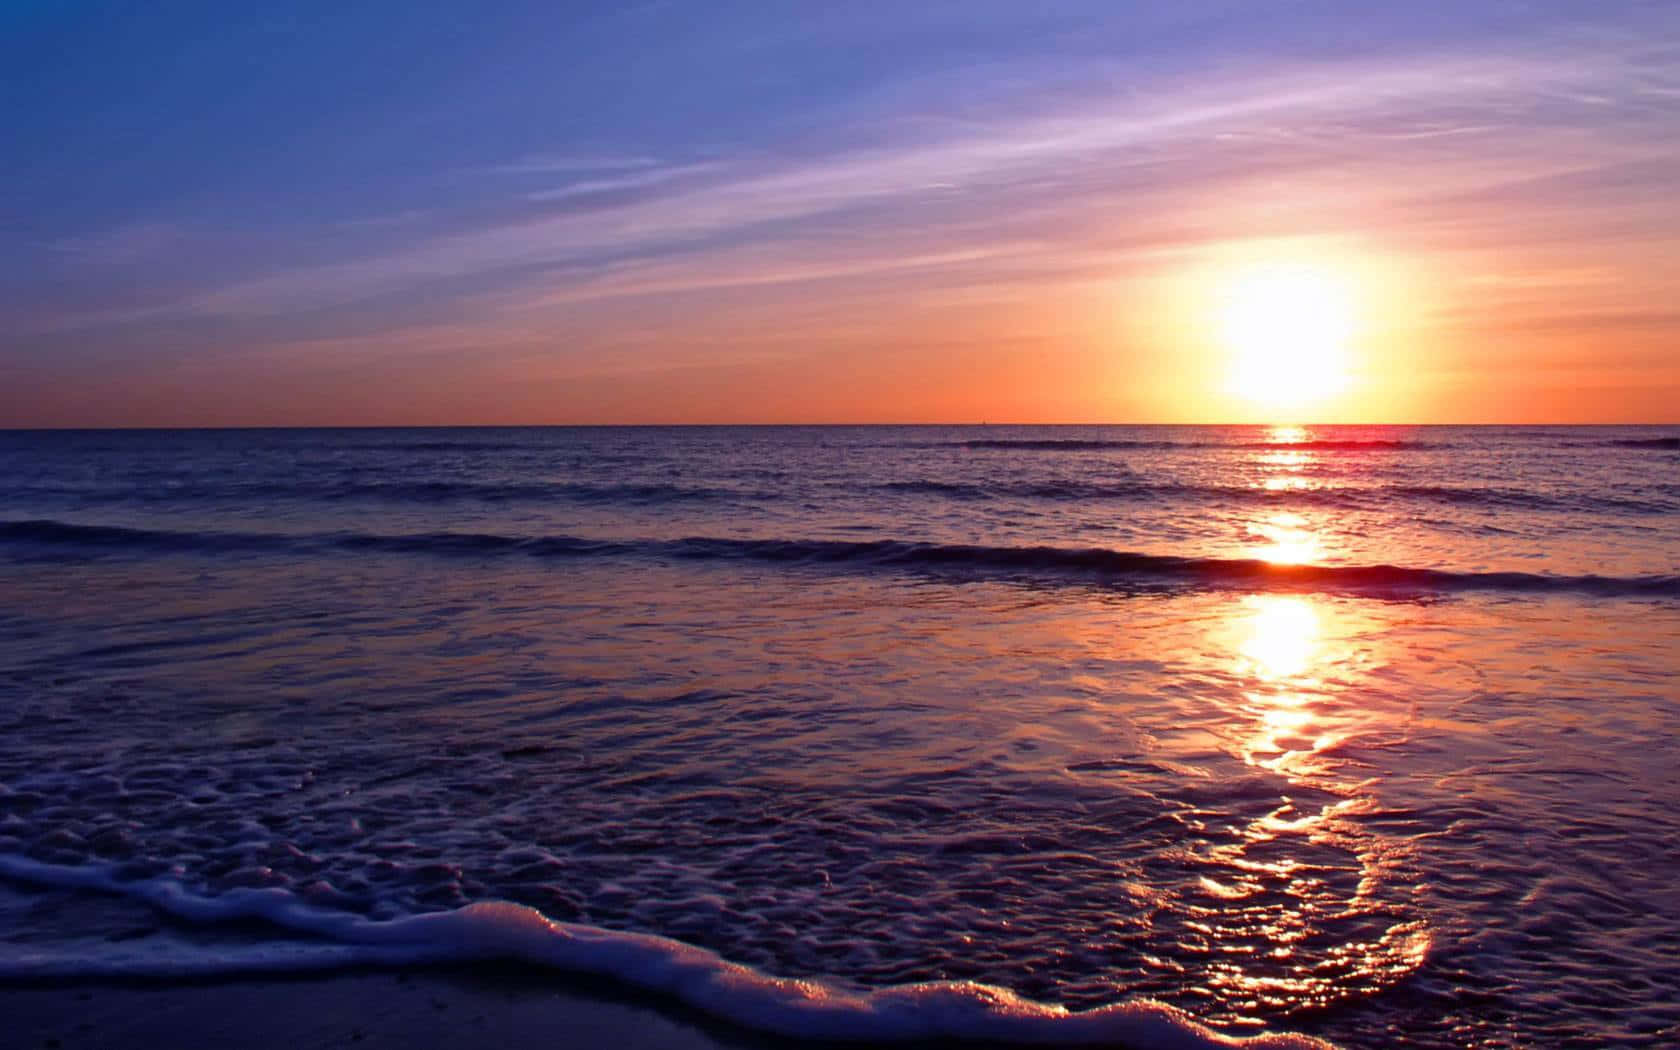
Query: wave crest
1087, 564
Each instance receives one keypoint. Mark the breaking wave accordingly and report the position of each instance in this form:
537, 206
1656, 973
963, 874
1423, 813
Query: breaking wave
694, 976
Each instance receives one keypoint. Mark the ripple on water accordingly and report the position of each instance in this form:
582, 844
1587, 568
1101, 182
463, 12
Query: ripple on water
1335, 814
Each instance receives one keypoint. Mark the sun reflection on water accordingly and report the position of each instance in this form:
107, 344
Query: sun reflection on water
1281, 636
1281, 644
1284, 539
1308, 864
1285, 469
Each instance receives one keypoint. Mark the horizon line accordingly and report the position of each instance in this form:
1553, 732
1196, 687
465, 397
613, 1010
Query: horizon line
766, 425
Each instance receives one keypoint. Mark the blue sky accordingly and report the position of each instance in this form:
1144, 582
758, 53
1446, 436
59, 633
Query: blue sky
226, 213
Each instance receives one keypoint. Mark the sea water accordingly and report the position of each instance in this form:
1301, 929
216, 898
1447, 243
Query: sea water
1168, 735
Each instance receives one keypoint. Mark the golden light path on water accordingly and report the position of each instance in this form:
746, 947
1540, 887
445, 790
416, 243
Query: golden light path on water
1299, 662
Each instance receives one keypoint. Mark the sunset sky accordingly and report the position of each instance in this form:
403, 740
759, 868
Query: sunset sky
411, 213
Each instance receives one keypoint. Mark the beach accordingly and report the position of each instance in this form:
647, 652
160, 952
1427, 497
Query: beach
754, 524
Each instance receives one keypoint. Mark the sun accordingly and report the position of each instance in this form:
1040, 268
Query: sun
1287, 327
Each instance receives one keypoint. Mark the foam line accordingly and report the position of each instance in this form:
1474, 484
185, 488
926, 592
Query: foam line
804, 1008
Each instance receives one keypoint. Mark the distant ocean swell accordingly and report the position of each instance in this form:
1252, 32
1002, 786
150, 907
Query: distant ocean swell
1657, 499
1306, 445
503, 931
409, 492
1118, 568
1338, 497
1092, 445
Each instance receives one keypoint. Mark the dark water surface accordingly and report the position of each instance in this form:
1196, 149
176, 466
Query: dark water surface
1367, 733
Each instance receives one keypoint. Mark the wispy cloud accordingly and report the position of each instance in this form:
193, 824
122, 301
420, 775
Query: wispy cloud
127, 244
1419, 137
634, 180
568, 164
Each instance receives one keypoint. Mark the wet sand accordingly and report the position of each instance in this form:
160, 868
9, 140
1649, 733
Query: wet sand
443, 1008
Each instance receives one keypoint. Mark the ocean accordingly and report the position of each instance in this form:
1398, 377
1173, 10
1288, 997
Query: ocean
1169, 735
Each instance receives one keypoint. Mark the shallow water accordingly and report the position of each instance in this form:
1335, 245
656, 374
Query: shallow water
1344, 731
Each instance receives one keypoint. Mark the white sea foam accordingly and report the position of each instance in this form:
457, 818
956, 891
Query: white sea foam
808, 1009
